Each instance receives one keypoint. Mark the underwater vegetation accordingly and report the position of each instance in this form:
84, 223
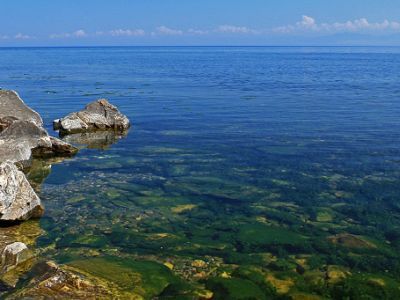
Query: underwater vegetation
183, 229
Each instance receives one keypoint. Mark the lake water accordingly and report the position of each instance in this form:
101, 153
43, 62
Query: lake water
249, 172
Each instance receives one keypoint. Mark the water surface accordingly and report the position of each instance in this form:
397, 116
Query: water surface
274, 170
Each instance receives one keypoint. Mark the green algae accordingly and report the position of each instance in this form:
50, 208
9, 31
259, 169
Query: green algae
261, 235
235, 288
145, 278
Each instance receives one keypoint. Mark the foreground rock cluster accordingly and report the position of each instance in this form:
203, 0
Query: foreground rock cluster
22, 139
24, 145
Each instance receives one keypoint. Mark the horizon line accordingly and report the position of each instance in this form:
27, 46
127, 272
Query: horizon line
207, 46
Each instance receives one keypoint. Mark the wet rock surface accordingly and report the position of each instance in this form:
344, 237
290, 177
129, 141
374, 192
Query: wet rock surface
98, 115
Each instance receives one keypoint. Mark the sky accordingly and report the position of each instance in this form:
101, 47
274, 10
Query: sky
199, 22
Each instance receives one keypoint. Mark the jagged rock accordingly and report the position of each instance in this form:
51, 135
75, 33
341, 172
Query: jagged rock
22, 134
98, 115
57, 148
18, 140
23, 139
18, 201
11, 105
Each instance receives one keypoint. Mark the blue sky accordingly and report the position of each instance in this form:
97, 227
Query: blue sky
200, 22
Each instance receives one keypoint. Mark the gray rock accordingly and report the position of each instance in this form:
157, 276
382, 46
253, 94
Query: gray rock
57, 148
98, 115
18, 201
23, 139
11, 105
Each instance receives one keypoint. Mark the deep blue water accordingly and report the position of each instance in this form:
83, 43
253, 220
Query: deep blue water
234, 132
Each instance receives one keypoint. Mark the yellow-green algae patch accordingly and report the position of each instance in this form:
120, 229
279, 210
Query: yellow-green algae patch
182, 208
145, 278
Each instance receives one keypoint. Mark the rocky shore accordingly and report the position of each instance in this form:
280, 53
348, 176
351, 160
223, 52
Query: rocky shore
27, 148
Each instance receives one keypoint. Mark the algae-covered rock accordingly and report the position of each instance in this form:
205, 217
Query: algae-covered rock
98, 115
351, 241
145, 278
54, 282
16, 250
18, 201
14, 254
335, 274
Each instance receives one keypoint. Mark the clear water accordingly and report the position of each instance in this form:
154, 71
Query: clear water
251, 157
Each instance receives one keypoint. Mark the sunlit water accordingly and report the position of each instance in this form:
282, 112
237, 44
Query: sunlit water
254, 157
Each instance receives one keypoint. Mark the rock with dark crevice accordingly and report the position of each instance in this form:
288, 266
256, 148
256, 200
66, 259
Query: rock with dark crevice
22, 140
97, 116
22, 135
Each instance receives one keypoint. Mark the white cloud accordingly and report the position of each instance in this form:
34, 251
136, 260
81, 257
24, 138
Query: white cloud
308, 24
20, 36
235, 29
76, 34
197, 31
79, 33
127, 32
164, 30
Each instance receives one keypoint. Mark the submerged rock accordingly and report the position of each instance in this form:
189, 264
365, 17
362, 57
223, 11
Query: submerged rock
18, 201
59, 282
98, 115
14, 254
17, 251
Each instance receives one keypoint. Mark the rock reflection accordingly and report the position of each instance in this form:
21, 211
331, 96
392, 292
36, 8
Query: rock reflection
95, 140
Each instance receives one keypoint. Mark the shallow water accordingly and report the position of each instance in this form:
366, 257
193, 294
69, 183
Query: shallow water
283, 161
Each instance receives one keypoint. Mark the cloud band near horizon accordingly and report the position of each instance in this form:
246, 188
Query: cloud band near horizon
307, 25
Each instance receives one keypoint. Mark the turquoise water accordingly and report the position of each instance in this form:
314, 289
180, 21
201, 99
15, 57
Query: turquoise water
274, 162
